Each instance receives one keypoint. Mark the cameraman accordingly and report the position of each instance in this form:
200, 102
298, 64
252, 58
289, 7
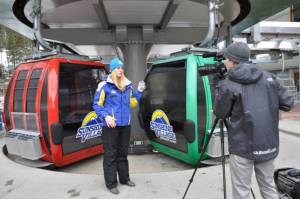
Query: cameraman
251, 99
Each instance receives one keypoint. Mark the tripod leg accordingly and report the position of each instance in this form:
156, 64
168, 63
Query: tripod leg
201, 156
226, 124
223, 157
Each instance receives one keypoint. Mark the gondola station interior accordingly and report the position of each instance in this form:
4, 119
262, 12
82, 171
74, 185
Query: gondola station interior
174, 46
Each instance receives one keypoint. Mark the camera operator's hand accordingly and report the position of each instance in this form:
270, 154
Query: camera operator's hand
221, 71
221, 76
141, 86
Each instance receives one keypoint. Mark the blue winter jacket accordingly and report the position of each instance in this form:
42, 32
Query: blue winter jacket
109, 100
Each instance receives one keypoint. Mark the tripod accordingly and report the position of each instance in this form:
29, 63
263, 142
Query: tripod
204, 147
222, 122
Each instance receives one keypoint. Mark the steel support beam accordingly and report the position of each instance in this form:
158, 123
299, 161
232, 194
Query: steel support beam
80, 36
255, 34
272, 30
102, 15
96, 36
200, 1
49, 4
168, 14
121, 34
148, 33
276, 27
179, 35
137, 0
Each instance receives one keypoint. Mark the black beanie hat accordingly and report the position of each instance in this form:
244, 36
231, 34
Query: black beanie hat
237, 52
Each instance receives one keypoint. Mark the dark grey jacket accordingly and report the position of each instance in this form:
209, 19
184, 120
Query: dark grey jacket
251, 99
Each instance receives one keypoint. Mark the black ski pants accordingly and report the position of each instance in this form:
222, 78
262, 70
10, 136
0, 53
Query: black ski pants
115, 141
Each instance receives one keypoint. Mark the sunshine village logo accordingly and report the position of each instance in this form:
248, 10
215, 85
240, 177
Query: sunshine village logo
161, 126
90, 127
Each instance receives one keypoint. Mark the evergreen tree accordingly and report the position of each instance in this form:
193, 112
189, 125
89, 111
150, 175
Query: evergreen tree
16, 45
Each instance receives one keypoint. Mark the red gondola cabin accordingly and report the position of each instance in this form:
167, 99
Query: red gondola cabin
48, 110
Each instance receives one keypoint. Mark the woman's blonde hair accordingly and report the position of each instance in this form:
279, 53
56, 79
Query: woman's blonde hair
118, 81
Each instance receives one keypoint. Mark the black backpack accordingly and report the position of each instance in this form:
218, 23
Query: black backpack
287, 181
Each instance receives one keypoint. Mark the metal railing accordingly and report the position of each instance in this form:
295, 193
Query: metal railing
289, 84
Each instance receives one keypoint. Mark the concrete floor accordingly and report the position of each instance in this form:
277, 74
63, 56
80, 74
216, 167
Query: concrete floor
147, 163
156, 176
158, 162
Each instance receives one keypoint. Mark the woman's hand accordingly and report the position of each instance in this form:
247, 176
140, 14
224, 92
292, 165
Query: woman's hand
141, 86
110, 121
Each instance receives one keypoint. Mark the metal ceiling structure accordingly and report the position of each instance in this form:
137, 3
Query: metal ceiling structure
97, 24
107, 22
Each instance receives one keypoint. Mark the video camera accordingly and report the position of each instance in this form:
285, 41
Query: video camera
218, 68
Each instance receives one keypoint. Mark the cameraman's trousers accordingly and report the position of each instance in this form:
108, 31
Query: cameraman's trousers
115, 142
241, 170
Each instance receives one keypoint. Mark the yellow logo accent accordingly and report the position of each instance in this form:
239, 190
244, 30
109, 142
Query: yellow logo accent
89, 117
160, 113
160, 124
90, 128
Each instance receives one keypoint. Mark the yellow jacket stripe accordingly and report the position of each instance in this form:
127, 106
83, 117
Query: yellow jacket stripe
101, 98
133, 101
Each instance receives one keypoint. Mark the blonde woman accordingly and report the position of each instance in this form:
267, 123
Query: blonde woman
112, 103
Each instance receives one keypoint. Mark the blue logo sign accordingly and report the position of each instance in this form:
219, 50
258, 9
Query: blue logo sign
90, 127
161, 126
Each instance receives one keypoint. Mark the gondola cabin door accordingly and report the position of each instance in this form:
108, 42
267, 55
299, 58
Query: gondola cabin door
81, 129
